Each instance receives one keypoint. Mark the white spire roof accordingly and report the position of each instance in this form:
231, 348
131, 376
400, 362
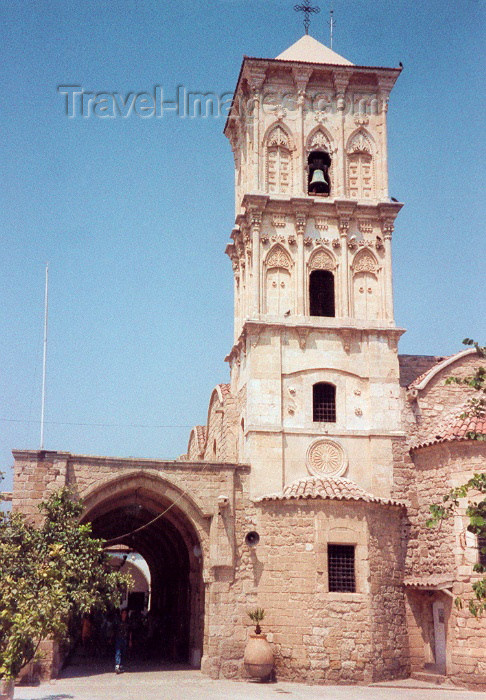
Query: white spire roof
309, 50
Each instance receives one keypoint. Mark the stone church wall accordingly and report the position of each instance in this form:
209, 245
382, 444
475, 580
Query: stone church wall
315, 634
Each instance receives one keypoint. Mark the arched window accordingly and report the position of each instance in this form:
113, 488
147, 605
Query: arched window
324, 403
321, 293
279, 162
319, 182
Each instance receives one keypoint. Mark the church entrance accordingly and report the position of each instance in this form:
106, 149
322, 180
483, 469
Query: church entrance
139, 523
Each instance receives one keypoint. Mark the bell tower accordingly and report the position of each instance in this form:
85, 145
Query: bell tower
314, 362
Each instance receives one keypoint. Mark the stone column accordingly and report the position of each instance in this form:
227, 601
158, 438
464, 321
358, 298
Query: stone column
255, 221
385, 86
256, 78
387, 230
341, 80
301, 78
300, 222
345, 310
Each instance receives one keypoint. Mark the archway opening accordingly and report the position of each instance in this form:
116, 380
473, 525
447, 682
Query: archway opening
149, 527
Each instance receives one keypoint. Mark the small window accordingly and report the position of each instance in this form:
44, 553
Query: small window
321, 293
324, 403
340, 564
482, 550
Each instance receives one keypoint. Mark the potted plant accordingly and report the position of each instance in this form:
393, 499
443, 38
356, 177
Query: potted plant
258, 657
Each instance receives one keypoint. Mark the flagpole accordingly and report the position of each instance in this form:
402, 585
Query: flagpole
46, 297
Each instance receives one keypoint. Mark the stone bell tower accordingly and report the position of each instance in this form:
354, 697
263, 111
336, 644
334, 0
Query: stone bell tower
314, 361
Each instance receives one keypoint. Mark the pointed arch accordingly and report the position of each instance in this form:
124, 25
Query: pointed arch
318, 156
322, 260
361, 141
360, 165
278, 159
366, 286
365, 261
320, 139
279, 291
278, 256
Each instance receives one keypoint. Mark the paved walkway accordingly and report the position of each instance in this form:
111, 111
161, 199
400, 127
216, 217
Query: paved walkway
83, 683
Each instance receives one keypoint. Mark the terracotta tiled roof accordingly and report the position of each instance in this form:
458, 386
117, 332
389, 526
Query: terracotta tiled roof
225, 389
201, 432
337, 488
452, 428
435, 581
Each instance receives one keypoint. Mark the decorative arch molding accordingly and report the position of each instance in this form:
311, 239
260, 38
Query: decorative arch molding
278, 257
320, 139
365, 261
278, 134
322, 260
360, 141
278, 159
113, 487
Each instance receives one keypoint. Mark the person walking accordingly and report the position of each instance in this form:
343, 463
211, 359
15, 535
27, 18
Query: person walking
122, 639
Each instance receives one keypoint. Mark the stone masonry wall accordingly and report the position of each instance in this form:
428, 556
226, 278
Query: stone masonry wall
316, 635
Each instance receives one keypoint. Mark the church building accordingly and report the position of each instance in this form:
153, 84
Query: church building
306, 491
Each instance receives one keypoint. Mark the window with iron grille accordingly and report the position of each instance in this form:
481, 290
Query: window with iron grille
324, 402
340, 566
482, 550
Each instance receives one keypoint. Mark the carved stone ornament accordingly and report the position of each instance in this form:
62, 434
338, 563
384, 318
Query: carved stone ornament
292, 239
308, 241
366, 226
321, 223
336, 243
319, 141
360, 144
300, 222
365, 262
322, 241
322, 260
303, 334
278, 137
278, 257
361, 119
275, 238
326, 458
264, 237
279, 220
320, 116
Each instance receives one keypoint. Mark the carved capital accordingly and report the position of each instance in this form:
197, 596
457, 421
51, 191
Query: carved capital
301, 77
343, 225
388, 227
303, 334
300, 222
255, 76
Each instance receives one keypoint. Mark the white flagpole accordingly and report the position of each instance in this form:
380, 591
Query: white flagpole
44, 358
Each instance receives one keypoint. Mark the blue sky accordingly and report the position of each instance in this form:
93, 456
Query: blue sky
133, 214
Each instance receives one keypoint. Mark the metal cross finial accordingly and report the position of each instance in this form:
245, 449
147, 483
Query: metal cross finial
307, 10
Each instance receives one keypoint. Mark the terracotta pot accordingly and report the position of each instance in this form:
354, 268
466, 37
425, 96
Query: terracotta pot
258, 656
7, 688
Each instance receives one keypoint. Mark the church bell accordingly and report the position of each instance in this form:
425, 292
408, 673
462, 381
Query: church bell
318, 180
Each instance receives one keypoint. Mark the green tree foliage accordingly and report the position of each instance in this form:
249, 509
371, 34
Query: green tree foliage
48, 574
476, 508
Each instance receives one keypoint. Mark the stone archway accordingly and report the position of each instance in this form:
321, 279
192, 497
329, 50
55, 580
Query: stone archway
153, 519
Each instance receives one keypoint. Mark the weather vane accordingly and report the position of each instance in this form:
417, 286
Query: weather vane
307, 10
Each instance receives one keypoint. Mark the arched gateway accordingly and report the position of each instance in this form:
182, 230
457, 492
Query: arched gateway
180, 516
161, 522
